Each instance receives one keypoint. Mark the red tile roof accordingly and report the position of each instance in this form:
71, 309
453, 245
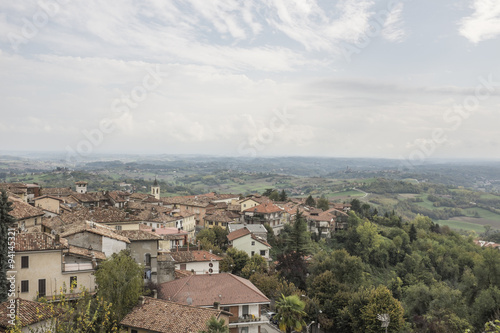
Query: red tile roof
166, 317
29, 312
194, 256
94, 228
22, 210
138, 235
237, 234
38, 241
265, 208
204, 290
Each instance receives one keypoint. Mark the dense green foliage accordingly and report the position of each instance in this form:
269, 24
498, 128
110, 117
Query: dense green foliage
216, 326
290, 313
120, 281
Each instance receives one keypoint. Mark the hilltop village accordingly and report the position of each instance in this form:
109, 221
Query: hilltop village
63, 234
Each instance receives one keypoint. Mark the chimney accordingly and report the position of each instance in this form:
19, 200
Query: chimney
155, 293
178, 230
216, 305
141, 300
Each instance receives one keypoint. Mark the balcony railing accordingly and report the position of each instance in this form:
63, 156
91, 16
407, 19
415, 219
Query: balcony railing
245, 319
77, 267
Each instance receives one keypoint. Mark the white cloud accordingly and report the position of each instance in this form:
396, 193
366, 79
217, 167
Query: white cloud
484, 23
317, 29
393, 26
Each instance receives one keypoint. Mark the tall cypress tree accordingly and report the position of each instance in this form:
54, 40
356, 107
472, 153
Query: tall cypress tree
6, 221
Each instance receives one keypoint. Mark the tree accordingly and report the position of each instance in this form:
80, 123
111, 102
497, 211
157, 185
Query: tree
234, 261
310, 201
283, 196
274, 196
6, 221
299, 240
120, 281
381, 301
323, 203
412, 233
256, 264
86, 314
216, 326
268, 192
290, 313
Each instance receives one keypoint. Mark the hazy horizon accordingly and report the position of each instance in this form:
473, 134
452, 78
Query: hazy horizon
410, 80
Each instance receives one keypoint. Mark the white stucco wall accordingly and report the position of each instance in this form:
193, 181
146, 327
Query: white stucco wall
110, 246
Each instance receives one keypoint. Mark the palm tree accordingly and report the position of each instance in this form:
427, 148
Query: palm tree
216, 326
290, 313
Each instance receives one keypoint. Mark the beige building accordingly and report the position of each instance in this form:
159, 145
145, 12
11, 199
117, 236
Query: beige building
49, 203
47, 266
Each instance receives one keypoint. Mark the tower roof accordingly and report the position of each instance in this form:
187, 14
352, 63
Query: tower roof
155, 183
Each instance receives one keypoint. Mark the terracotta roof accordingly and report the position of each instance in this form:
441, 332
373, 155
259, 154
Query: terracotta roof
49, 197
83, 252
92, 227
194, 256
89, 197
58, 191
166, 317
138, 235
265, 208
180, 273
218, 216
29, 312
205, 289
22, 210
38, 241
238, 233
260, 240
243, 232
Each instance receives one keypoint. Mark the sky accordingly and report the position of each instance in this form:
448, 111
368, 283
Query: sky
410, 79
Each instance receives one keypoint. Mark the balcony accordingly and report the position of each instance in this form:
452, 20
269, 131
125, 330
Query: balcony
77, 267
249, 318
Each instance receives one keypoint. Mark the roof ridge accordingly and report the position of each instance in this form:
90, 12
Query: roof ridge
179, 289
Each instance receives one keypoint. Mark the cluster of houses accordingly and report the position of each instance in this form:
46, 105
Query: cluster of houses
63, 235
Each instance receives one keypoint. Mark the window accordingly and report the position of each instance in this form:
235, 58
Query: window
148, 259
118, 227
36, 220
133, 331
245, 310
73, 282
41, 288
183, 267
225, 308
253, 243
244, 330
263, 252
253, 252
25, 262
25, 286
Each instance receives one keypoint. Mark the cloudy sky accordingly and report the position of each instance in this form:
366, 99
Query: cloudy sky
400, 79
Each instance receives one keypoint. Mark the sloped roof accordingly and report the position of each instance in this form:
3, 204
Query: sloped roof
265, 208
238, 233
205, 289
83, 252
194, 256
29, 312
138, 235
94, 228
22, 210
58, 191
218, 216
166, 317
38, 241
